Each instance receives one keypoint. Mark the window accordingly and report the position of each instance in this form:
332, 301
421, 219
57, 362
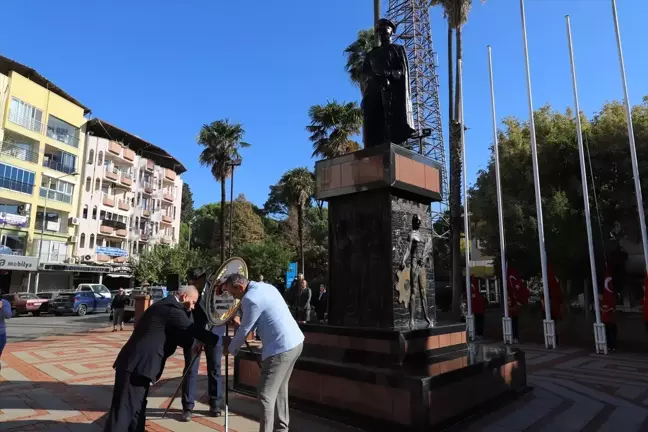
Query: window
85, 212
26, 115
91, 156
91, 244
60, 161
82, 241
62, 131
88, 183
16, 179
97, 184
94, 212
53, 222
100, 158
56, 189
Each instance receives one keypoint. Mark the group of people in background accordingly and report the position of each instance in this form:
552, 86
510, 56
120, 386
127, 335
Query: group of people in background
301, 301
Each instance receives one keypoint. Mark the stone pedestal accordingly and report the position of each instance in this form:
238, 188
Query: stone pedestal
368, 367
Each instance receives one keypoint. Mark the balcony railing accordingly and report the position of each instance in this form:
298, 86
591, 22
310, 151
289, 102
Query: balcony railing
167, 219
169, 175
123, 205
55, 195
52, 227
17, 186
10, 149
25, 121
63, 136
58, 166
168, 197
126, 178
108, 200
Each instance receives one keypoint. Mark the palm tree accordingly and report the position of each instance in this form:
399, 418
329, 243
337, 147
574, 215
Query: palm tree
297, 187
456, 12
356, 53
377, 8
221, 141
331, 126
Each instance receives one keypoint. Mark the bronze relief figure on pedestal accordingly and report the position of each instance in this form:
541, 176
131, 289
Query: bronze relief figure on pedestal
386, 101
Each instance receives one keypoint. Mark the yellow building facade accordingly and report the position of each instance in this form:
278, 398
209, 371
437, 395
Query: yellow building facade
41, 151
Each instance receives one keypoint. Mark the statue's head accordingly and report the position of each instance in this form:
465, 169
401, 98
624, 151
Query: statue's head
385, 30
416, 222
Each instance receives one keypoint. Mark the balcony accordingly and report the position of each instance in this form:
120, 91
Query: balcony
115, 148
144, 236
21, 152
165, 239
148, 188
105, 229
58, 166
108, 200
55, 195
167, 219
111, 173
62, 131
123, 205
126, 179
52, 226
102, 258
146, 213
121, 233
150, 166
168, 197
128, 154
26, 121
169, 175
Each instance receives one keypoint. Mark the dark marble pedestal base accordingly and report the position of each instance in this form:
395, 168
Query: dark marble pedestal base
417, 395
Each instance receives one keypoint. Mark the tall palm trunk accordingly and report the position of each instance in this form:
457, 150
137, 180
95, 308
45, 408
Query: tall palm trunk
456, 152
300, 226
377, 9
221, 220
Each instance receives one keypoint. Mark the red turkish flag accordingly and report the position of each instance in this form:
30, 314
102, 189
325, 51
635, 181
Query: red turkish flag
516, 286
608, 303
477, 299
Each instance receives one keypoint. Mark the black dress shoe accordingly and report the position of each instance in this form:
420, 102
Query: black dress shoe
215, 412
186, 416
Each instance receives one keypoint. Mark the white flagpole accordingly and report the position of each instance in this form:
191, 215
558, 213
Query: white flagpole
631, 139
507, 329
549, 328
599, 329
470, 319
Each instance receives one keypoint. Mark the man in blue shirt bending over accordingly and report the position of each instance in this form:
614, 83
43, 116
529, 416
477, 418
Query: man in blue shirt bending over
264, 308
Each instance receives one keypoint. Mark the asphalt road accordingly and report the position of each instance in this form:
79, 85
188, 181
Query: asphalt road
27, 327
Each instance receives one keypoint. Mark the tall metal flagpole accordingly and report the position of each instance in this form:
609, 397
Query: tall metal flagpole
631, 139
599, 329
549, 328
507, 329
470, 319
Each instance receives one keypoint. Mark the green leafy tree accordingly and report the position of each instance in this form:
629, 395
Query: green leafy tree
268, 258
155, 264
221, 141
204, 226
187, 205
331, 127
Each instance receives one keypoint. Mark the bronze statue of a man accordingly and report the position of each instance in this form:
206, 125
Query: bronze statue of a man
416, 258
386, 100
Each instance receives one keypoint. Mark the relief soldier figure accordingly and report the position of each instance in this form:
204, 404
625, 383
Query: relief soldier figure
416, 259
386, 100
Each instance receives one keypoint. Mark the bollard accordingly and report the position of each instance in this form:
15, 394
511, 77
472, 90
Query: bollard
142, 302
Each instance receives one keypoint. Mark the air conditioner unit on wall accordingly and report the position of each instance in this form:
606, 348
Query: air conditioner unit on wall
74, 221
88, 258
72, 239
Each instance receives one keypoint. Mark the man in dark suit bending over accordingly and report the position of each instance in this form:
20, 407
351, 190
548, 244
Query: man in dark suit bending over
163, 327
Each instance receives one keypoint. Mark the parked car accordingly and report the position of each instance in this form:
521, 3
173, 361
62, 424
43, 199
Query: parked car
24, 302
97, 288
80, 303
49, 296
156, 293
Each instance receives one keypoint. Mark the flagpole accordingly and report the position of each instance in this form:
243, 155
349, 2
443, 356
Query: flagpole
507, 329
599, 329
470, 319
631, 139
549, 328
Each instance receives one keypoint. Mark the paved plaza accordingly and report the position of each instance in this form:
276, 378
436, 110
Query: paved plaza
64, 383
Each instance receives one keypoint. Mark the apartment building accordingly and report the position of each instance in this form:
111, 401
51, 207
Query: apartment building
41, 127
130, 199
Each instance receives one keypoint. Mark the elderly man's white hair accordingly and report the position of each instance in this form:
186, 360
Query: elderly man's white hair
187, 289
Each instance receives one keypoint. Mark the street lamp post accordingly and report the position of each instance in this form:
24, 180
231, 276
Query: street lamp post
233, 163
42, 232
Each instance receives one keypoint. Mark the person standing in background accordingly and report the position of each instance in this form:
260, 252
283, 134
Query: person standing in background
478, 307
304, 302
321, 304
5, 314
292, 294
118, 304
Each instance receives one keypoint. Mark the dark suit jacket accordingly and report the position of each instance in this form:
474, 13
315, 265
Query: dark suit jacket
320, 303
304, 299
163, 327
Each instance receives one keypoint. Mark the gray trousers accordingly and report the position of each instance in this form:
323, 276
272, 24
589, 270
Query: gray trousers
118, 317
273, 389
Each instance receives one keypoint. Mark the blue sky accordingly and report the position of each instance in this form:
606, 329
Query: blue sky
160, 69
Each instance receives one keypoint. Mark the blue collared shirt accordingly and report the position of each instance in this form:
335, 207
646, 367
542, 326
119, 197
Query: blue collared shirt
264, 308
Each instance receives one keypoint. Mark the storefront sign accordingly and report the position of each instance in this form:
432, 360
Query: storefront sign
111, 251
75, 268
18, 262
13, 219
